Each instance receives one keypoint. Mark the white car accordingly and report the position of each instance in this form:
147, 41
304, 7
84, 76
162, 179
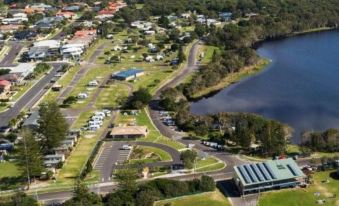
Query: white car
126, 147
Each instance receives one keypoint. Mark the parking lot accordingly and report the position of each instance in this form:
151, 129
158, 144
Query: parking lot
109, 155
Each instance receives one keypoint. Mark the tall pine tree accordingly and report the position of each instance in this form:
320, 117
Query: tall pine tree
52, 126
29, 156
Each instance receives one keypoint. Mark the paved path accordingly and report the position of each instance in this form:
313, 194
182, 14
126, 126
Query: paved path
81, 73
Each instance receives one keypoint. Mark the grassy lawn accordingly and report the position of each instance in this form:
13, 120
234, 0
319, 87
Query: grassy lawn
215, 198
108, 96
9, 169
205, 162
145, 152
212, 167
301, 197
208, 53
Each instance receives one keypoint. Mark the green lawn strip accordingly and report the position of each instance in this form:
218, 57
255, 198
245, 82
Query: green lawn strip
208, 53
300, 197
163, 155
82, 151
143, 119
215, 198
9, 169
205, 162
212, 167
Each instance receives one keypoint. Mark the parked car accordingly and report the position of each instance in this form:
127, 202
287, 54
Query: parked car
126, 147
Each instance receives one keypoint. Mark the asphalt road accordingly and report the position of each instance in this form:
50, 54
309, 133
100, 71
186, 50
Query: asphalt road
30, 98
15, 48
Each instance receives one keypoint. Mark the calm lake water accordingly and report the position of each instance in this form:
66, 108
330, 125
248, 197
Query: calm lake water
300, 87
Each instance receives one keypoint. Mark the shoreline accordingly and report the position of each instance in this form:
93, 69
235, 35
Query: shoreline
232, 78
250, 70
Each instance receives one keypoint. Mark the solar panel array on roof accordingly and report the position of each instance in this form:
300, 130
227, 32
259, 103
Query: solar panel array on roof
257, 172
294, 172
270, 170
263, 171
244, 174
251, 174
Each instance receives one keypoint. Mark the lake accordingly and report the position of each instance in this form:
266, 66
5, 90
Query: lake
300, 87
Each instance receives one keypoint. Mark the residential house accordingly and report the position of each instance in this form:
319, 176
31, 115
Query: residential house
53, 160
225, 16
10, 28
72, 8
13, 78
66, 14
25, 35
5, 88
22, 70
32, 121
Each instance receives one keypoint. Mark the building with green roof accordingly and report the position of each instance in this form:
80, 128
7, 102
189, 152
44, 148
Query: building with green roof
272, 174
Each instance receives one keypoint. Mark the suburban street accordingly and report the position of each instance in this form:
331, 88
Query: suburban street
30, 98
15, 48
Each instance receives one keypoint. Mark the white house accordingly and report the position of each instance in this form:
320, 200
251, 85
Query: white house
149, 32
53, 159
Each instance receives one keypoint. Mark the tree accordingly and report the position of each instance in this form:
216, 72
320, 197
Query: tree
126, 179
52, 126
83, 197
200, 29
206, 183
29, 156
188, 157
21, 199
140, 98
163, 21
181, 55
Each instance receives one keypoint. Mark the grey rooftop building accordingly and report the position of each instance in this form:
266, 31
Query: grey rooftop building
272, 174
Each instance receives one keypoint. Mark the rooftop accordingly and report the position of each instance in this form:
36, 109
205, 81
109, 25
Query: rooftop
128, 73
129, 130
270, 171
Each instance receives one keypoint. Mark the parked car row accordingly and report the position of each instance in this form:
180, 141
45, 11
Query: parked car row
213, 145
166, 118
96, 121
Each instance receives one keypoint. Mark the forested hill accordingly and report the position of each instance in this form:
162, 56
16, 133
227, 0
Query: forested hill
273, 19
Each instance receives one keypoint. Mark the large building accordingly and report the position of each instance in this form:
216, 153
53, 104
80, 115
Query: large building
273, 174
129, 74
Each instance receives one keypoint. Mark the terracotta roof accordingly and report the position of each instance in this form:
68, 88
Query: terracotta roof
4, 83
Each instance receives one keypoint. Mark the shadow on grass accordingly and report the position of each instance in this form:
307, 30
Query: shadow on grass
9, 183
335, 175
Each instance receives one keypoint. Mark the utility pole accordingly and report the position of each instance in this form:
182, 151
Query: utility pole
27, 169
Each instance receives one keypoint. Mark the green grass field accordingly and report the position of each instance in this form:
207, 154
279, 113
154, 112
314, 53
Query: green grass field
9, 169
329, 191
205, 199
163, 155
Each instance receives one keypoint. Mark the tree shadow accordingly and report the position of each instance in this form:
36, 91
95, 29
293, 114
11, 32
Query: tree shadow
335, 175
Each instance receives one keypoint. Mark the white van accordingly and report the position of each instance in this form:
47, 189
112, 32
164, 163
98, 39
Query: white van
102, 114
94, 127
97, 118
